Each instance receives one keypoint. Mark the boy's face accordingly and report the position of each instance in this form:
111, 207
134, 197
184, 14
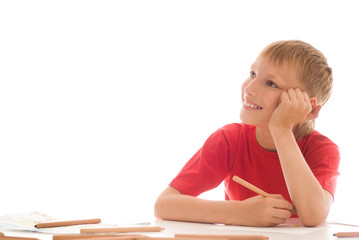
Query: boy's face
262, 90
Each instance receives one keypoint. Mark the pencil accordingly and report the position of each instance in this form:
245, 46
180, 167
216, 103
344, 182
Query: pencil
346, 234
91, 236
250, 186
109, 238
16, 238
229, 237
176, 238
1, 234
67, 223
122, 229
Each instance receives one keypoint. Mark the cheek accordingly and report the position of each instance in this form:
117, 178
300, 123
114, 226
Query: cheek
274, 102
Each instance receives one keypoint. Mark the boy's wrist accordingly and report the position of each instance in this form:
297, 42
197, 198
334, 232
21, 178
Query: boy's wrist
281, 135
280, 130
233, 209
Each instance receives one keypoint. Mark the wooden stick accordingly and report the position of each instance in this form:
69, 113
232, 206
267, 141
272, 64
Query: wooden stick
229, 237
91, 236
251, 186
122, 229
176, 238
16, 238
346, 234
67, 223
109, 238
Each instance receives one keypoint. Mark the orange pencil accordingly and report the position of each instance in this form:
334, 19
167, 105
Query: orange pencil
16, 238
229, 237
346, 234
122, 229
109, 238
176, 238
67, 223
251, 186
91, 236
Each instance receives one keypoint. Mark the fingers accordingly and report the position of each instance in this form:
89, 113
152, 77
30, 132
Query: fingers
267, 211
296, 95
279, 212
298, 101
282, 208
277, 196
281, 203
287, 205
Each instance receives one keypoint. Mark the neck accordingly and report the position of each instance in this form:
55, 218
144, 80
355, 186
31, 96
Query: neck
265, 140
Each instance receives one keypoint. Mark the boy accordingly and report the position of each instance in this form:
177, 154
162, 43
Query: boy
275, 148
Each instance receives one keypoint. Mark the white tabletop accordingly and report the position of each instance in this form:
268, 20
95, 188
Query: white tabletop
323, 232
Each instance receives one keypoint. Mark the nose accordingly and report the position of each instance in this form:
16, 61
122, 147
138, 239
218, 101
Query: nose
249, 87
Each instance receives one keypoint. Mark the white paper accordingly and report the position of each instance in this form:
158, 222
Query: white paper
27, 221
292, 226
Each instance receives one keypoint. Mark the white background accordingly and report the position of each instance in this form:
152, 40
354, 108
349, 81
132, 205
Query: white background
102, 102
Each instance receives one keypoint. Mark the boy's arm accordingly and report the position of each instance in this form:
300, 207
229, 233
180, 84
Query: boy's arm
310, 199
256, 211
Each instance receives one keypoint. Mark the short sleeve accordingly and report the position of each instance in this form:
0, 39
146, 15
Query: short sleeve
207, 168
323, 159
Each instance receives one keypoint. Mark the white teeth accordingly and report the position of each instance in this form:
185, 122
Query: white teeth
252, 106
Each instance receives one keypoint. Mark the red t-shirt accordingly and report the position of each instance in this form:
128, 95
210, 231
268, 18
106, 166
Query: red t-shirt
234, 150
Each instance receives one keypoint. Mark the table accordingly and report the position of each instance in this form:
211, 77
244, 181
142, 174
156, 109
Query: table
323, 232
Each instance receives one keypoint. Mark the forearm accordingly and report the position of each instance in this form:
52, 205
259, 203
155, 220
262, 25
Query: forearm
305, 191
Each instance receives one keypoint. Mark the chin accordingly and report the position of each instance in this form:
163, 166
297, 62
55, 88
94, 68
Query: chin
244, 118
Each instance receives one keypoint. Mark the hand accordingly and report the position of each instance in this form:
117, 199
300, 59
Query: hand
294, 108
264, 211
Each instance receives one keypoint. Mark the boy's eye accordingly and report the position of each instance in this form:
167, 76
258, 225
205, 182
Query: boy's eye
252, 74
272, 84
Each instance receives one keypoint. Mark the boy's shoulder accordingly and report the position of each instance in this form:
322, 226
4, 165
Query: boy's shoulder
316, 136
237, 129
317, 140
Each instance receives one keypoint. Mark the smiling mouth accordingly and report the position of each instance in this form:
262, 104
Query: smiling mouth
251, 105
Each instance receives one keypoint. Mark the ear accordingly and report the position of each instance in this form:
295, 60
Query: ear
315, 110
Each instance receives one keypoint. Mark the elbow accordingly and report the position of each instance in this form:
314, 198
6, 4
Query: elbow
157, 209
162, 207
313, 218
311, 222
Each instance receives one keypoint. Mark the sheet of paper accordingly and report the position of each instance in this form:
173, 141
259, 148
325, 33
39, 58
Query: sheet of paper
292, 226
27, 221
24, 221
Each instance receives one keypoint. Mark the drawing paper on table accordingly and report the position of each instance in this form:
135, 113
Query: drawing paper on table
282, 228
27, 221
24, 221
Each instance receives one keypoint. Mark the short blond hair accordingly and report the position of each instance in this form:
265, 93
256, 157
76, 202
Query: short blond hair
311, 68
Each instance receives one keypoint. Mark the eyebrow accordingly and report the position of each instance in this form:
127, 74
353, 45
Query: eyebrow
277, 80
273, 76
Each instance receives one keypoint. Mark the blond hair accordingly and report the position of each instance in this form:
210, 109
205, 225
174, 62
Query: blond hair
312, 71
